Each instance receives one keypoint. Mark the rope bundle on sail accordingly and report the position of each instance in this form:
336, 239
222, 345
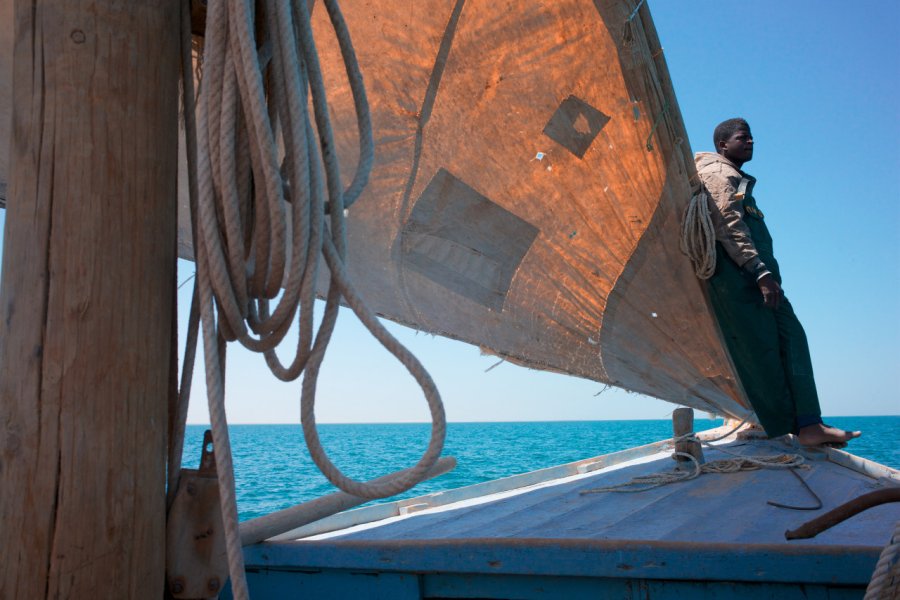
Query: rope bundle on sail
698, 235
260, 159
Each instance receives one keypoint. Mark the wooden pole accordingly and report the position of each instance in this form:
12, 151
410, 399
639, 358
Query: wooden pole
683, 424
85, 304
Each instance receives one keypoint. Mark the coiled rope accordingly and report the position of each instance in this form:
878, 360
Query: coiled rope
643, 483
739, 462
698, 235
885, 582
240, 223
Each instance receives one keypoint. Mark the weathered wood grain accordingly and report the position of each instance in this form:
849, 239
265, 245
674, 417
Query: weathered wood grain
683, 424
6, 44
88, 261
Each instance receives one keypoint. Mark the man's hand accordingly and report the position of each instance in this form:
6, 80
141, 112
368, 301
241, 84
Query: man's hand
771, 291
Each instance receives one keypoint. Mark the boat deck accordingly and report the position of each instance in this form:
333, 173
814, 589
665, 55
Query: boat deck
538, 536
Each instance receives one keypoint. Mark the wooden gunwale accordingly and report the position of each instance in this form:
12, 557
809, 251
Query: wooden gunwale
837, 565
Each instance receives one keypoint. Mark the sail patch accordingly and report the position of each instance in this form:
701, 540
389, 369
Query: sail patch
575, 125
461, 240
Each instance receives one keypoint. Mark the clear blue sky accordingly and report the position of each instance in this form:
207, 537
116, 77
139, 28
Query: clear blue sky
819, 82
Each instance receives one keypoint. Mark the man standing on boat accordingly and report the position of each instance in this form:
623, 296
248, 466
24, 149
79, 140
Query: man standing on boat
765, 339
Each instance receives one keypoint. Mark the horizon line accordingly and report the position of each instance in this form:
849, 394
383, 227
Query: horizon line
705, 418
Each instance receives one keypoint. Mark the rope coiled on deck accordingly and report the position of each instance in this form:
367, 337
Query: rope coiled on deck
241, 223
739, 462
643, 483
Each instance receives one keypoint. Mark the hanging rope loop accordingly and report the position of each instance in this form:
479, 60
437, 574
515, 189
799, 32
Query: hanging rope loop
270, 205
247, 189
698, 235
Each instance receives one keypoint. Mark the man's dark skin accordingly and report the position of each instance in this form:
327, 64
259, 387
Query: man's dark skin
738, 148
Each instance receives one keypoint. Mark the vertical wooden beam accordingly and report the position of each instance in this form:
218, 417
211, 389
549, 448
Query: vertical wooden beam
85, 303
683, 424
6, 46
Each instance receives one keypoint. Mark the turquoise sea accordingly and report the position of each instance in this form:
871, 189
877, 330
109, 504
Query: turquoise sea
273, 469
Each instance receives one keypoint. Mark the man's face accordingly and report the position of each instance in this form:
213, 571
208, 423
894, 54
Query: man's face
738, 148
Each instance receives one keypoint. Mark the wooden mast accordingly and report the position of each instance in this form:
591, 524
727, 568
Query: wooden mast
86, 300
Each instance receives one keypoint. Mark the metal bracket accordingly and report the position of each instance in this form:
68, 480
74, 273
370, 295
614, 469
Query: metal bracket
196, 563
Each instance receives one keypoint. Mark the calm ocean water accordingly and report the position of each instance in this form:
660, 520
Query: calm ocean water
273, 469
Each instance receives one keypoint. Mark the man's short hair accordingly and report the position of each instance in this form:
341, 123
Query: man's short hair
726, 129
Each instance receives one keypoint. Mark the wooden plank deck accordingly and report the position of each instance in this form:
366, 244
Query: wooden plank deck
727, 508
714, 536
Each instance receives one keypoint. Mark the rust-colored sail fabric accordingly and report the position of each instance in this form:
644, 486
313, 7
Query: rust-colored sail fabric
531, 169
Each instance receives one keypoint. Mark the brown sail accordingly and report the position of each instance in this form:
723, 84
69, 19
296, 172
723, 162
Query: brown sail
531, 169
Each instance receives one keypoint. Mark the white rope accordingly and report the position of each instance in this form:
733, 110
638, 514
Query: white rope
698, 235
740, 462
244, 190
885, 582
643, 483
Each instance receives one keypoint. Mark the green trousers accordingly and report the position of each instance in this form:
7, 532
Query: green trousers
768, 347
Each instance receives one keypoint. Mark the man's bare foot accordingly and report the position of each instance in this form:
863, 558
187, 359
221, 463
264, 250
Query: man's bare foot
818, 434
